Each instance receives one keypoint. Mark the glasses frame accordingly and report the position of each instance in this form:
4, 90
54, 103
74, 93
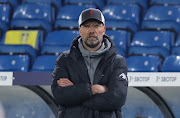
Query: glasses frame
95, 26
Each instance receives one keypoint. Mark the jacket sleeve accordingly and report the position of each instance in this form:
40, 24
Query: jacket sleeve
117, 90
70, 95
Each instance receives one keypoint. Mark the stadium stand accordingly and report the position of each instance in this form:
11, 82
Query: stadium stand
55, 3
0, 34
23, 42
44, 63
5, 12
12, 3
121, 40
143, 63
58, 41
15, 63
164, 2
175, 50
18, 50
130, 23
171, 64
126, 17
98, 3
143, 4
162, 18
33, 16
33, 38
152, 43
67, 17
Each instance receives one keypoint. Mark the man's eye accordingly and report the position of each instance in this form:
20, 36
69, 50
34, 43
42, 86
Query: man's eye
87, 26
96, 25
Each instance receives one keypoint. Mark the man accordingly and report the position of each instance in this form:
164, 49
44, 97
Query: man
90, 81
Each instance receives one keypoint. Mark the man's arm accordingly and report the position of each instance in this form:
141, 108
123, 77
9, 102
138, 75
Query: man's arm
64, 82
69, 95
96, 89
115, 97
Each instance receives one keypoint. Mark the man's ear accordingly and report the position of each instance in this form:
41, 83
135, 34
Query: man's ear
79, 31
104, 29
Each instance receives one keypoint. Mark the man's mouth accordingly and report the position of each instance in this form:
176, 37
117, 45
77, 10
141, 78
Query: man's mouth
92, 37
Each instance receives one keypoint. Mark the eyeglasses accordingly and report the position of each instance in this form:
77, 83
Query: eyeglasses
95, 26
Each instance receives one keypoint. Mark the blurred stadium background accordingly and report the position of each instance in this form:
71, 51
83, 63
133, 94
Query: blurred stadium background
34, 32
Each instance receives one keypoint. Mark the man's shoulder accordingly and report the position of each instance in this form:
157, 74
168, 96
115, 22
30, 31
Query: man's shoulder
63, 55
119, 60
119, 57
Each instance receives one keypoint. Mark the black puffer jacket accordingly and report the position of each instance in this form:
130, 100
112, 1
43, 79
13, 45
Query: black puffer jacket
77, 101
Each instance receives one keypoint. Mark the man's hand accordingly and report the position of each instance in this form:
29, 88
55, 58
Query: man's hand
98, 89
63, 82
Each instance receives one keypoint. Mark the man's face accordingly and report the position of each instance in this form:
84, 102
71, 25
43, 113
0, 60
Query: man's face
92, 33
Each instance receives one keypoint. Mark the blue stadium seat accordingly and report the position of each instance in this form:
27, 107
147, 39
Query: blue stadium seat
5, 12
121, 40
58, 41
1, 34
177, 43
18, 50
45, 63
175, 49
61, 37
13, 3
151, 43
55, 3
164, 2
141, 3
98, 3
171, 64
26, 42
68, 16
143, 63
14, 63
33, 16
33, 38
122, 17
162, 18
54, 50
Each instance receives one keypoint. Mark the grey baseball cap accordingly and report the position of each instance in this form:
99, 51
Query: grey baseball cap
91, 13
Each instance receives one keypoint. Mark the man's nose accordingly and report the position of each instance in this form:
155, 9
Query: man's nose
91, 29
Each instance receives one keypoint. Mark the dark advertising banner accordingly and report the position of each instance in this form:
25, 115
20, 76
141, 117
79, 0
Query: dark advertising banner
32, 78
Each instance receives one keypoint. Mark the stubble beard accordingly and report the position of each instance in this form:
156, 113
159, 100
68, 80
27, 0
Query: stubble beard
92, 44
